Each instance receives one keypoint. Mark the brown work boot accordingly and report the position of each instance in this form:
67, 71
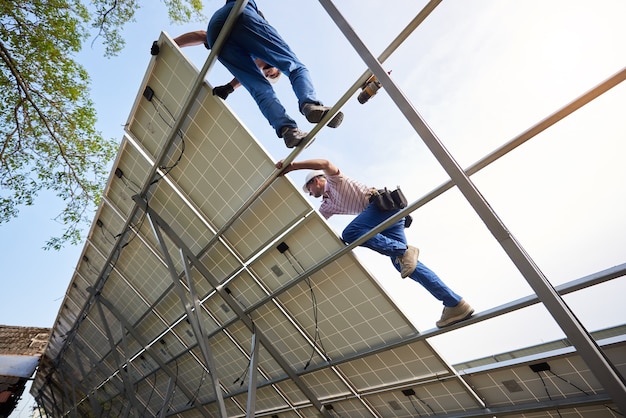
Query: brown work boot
292, 136
455, 314
314, 113
408, 261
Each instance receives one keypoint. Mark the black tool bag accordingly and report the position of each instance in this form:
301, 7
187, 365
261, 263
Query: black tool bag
386, 200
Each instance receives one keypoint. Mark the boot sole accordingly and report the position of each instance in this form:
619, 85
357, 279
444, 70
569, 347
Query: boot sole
456, 319
314, 116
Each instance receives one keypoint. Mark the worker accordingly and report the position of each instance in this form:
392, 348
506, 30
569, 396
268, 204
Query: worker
252, 38
342, 195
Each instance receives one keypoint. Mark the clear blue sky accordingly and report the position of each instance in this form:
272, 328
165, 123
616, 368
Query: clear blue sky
479, 73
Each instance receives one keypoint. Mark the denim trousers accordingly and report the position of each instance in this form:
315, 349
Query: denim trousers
392, 242
252, 37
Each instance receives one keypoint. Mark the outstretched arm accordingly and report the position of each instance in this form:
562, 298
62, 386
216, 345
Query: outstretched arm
315, 164
197, 37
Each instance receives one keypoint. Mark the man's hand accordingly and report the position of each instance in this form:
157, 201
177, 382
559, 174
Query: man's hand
223, 91
285, 170
154, 49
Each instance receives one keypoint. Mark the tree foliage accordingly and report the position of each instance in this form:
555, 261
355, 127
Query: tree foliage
47, 120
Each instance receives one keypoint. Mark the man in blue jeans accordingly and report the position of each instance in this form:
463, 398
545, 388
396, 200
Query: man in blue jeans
253, 40
344, 196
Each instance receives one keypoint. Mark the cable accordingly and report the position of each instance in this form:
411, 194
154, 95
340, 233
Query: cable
410, 393
151, 393
195, 395
546, 389
568, 382
157, 103
415, 407
103, 229
169, 404
283, 248
243, 375
580, 389
331, 410
120, 175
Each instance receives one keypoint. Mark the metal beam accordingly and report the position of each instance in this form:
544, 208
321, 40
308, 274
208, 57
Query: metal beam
122, 367
597, 361
192, 314
88, 392
75, 383
168, 396
252, 374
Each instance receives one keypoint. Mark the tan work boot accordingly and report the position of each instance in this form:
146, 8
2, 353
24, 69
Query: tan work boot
408, 261
452, 315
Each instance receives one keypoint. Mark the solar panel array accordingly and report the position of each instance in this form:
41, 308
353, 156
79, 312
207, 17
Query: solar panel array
209, 286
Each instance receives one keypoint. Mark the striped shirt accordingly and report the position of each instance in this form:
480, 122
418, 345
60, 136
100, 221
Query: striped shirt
343, 196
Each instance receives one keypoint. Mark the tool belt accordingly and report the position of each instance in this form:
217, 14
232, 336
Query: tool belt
387, 200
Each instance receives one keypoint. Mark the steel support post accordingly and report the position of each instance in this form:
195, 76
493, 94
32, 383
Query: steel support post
75, 383
88, 392
192, 314
168, 395
252, 376
122, 368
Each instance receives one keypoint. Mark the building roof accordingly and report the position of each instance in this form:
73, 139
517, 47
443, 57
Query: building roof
20, 350
23, 341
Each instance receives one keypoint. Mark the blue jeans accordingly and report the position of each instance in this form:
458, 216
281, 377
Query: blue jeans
252, 37
392, 242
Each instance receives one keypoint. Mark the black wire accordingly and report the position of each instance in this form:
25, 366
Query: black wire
90, 267
316, 336
169, 404
333, 412
137, 228
582, 390
151, 393
243, 375
103, 229
567, 381
414, 406
195, 395
546, 388
132, 182
167, 169
614, 411
429, 407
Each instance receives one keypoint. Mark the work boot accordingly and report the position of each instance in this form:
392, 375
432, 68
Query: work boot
408, 261
314, 113
458, 313
292, 136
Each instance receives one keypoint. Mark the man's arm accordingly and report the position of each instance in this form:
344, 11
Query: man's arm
197, 37
316, 164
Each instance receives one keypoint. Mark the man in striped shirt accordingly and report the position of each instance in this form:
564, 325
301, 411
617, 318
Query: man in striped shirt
342, 195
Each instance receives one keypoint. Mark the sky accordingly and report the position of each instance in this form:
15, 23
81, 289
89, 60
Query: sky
479, 73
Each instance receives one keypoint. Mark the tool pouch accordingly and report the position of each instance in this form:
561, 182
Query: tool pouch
386, 200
